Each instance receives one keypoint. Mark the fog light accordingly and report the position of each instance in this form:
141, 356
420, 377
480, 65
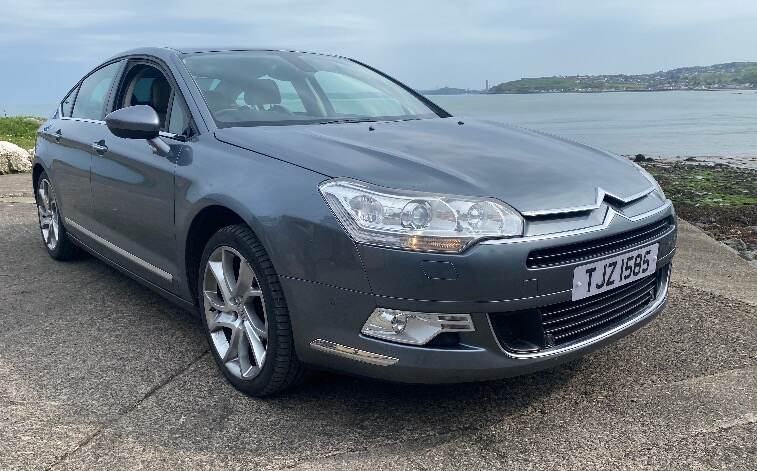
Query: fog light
399, 322
415, 328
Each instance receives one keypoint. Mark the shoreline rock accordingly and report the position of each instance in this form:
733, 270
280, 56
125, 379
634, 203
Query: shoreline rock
14, 159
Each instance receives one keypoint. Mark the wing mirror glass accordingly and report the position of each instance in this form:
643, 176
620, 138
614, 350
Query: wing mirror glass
134, 122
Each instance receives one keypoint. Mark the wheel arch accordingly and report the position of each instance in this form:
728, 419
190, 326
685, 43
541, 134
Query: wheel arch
36, 172
207, 220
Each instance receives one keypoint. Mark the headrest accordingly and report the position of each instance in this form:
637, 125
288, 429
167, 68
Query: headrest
262, 92
160, 92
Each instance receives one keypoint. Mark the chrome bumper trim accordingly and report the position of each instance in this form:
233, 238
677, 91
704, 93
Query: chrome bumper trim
352, 353
658, 303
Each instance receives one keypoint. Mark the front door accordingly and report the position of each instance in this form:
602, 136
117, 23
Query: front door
133, 186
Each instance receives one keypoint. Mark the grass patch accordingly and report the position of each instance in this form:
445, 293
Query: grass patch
20, 130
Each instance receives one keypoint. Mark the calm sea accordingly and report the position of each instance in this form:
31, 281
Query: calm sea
666, 124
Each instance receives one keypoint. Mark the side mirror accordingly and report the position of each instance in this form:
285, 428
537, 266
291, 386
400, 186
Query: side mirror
134, 122
138, 122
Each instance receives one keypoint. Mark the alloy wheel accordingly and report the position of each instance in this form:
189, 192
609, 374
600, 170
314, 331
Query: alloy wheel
235, 312
49, 217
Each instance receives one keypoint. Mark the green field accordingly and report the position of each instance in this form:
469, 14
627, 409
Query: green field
21, 131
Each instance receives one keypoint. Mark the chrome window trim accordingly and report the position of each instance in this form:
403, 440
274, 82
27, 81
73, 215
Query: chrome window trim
609, 216
82, 120
128, 255
601, 194
658, 303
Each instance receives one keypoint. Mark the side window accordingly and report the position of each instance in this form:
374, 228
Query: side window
67, 105
178, 117
93, 93
146, 85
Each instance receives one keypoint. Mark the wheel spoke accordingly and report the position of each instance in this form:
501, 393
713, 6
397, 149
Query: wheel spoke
48, 231
244, 281
216, 268
256, 344
43, 195
252, 293
257, 325
232, 353
53, 230
220, 320
212, 298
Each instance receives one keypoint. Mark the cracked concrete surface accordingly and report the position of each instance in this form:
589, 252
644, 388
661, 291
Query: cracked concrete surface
99, 372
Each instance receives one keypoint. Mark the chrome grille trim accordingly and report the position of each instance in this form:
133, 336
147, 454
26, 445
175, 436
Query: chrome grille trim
609, 217
600, 197
601, 247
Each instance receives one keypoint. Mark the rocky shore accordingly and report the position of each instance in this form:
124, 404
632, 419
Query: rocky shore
718, 198
17, 136
14, 159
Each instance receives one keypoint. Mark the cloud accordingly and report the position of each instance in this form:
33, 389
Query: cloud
423, 42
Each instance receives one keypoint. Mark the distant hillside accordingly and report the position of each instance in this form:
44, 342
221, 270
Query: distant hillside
448, 91
733, 75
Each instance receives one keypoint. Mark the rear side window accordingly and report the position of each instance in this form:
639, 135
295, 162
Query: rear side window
179, 118
93, 93
67, 105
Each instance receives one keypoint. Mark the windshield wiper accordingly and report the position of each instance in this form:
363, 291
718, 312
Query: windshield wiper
348, 120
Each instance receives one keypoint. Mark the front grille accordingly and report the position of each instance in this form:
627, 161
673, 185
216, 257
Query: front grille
566, 254
569, 321
555, 325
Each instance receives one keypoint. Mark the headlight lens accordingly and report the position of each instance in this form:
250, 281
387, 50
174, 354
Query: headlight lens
652, 180
419, 221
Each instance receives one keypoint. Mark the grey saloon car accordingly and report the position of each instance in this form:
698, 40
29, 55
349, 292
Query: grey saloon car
318, 214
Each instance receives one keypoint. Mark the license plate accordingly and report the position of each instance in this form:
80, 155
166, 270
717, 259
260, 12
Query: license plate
597, 277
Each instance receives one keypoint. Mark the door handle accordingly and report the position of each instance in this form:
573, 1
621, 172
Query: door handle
100, 147
58, 135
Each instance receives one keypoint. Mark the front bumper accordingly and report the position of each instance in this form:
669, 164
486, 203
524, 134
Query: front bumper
488, 279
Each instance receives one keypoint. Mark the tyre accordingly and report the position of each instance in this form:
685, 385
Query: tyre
245, 314
54, 234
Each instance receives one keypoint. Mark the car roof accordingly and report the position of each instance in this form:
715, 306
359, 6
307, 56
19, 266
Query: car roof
163, 52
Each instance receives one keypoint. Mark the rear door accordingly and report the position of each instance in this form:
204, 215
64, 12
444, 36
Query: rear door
133, 186
70, 136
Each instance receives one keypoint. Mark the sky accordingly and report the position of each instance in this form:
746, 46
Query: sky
46, 46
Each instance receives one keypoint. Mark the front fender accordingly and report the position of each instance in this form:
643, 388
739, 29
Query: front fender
281, 204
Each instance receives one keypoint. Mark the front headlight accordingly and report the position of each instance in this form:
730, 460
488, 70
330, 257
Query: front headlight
413, 220
652, 180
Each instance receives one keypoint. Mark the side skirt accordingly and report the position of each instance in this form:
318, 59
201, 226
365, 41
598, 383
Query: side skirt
179, 301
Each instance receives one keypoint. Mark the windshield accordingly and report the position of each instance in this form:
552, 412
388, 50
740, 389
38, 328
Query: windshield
253, 88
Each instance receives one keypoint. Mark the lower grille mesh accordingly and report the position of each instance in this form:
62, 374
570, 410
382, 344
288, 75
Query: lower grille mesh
571, 320
555, 325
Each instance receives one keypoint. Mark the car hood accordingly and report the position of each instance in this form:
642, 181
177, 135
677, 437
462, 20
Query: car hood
531, 171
